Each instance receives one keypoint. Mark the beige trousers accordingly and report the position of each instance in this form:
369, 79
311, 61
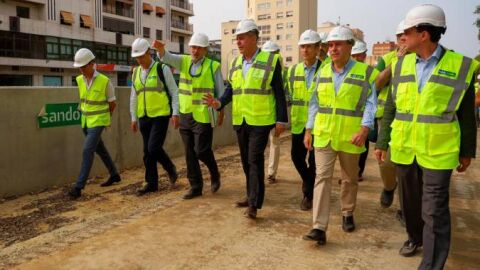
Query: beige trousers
325, 160
274, 153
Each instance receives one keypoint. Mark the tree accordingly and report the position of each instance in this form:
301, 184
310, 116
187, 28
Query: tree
477, 22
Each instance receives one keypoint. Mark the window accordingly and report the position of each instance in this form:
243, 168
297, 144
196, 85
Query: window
262, 40
264, 29
66, 18
279, 15
52, 80
123, 56
15, 80
279, 25
225, 32
289, 14
66, 49
112, 54
233, 31
264, 17
53, 48
289, 25
289, 59
279, 4
288, 47
289, 2
23, 12
146, 32
288, 36
159, 34
279, 37
74, 81
263, 6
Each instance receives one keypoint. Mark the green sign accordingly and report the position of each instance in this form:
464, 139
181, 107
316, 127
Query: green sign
57, 115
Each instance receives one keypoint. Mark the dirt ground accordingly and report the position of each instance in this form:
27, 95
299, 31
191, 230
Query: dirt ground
112, 228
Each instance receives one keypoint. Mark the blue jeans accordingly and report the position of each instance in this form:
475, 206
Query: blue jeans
93, 144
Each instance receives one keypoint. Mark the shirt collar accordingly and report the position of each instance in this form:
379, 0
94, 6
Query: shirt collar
435, 55
253, 58
345, 68
314, 66
95, 74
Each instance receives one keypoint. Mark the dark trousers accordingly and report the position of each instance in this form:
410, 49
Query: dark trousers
306, 169
363, 159
425, 196
252, 141
154, 131
197, 139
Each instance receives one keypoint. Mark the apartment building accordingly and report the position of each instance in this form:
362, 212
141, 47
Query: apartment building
38, 38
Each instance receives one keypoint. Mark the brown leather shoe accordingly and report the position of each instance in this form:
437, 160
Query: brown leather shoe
251, 212
242, 203
306, 204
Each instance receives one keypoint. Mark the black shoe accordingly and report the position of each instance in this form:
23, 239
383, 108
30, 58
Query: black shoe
306, 204
271, 179
215, 183
147, 189
192, 194
242, 203
113, 179
251, 212
348, 225
316, 235
75, 193
386, 199
409, 248
399, 216
173, 176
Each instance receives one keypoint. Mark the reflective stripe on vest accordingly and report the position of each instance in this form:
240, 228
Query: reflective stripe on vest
253, 99
340, 114
152, 99
426, 127
192, 89
300, 95
93, 102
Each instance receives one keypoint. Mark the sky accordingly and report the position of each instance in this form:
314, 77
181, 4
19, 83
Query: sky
378, 19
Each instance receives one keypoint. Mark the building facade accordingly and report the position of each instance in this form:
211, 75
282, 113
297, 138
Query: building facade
39, 38
229, 49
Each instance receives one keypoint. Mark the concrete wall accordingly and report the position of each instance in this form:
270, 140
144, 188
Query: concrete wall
32, 159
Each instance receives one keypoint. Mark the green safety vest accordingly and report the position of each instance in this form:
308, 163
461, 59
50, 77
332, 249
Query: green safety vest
325, 62
340, 114
253, 98
300, 94
93, 102
191, 89
151, 95
382, 97
426, 125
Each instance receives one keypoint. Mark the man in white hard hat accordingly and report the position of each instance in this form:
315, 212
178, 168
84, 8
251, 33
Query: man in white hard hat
387, 168
97, 103
255, 88
341, 113
300, 85
153, 102
429, 123
323, 51
199, 75
274, 153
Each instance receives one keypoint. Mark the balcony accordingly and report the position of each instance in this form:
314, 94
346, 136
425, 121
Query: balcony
181, 6
182, 27
119, 10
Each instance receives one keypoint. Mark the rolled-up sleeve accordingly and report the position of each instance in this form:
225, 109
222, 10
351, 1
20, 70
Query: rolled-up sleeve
171, 59
368, 119
133, 104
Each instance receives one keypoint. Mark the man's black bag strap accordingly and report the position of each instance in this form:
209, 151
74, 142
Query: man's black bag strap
162, 78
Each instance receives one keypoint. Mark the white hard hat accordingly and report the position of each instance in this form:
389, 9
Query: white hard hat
400, 28
139, 47
323, 36
245, 26
425, 14
340, 33
83, 57
359, 47
199, 39
309, 37
270, 46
